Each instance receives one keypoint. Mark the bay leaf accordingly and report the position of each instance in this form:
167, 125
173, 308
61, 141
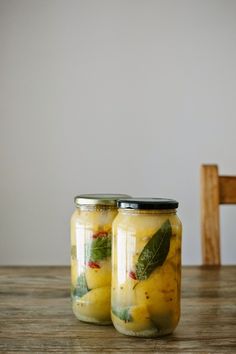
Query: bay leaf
154, 252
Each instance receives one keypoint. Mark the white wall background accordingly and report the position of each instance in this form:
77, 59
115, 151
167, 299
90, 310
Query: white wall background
123, 96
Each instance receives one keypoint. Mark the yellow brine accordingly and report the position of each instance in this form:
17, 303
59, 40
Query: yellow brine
91, 228
146, 267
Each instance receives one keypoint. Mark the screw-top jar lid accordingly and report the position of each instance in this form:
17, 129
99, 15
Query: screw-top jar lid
99, 199
147, 203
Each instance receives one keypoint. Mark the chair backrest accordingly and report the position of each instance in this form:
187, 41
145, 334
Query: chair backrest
215, 190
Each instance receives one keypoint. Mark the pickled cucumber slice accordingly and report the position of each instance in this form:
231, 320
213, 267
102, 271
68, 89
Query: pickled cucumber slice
123, 294
159, 294
99, 277
95, 305
138, 319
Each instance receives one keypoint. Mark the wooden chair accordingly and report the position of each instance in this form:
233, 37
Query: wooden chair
215, 190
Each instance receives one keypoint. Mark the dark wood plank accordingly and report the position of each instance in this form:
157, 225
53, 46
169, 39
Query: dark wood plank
36, 316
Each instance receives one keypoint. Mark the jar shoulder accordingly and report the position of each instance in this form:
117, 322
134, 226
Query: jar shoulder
145, 222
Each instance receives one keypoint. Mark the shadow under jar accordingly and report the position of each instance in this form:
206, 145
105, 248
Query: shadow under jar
146, 267
91, 225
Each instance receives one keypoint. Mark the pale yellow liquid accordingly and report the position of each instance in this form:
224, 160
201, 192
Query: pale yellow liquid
153, 304
93, 306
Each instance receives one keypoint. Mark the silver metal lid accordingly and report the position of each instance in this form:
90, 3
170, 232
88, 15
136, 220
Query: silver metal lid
99, 199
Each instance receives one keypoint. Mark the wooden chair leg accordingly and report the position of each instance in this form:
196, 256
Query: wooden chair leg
210, 222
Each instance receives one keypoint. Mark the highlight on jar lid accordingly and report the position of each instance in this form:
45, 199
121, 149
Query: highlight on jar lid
147, 203
99, 199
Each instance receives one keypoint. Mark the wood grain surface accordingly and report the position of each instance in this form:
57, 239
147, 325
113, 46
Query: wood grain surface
227, 189
36, 316
210, 215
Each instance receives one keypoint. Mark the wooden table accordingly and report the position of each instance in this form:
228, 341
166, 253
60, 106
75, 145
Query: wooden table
36, 316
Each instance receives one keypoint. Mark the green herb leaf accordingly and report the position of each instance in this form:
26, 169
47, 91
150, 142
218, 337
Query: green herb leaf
99, 248
82, 287
123, 313
155, 252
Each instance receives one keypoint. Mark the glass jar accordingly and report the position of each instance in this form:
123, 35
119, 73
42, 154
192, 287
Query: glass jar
91, 225
146, 267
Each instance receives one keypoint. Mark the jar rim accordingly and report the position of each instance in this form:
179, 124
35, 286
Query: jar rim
99, 199
147, 203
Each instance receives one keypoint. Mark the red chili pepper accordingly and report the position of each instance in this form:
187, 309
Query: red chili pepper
100, 234
93, 264
132, 275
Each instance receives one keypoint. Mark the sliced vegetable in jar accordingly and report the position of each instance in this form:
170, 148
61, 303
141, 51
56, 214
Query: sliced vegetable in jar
100, 234
132, 275
92, 264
